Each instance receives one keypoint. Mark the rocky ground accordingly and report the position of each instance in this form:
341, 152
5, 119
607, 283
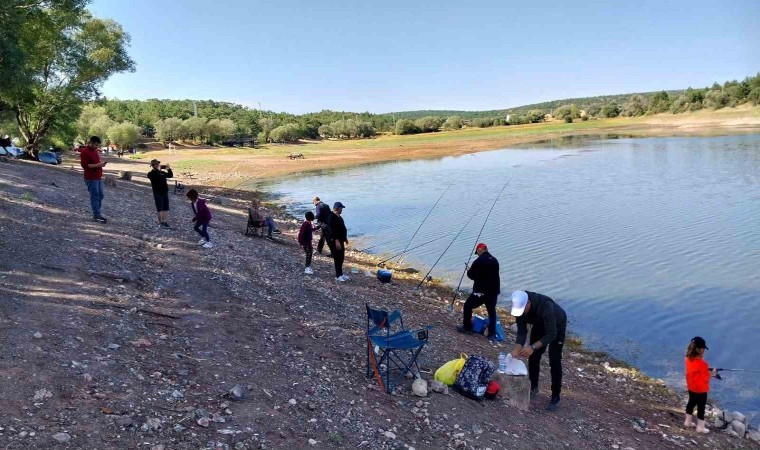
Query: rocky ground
126, 336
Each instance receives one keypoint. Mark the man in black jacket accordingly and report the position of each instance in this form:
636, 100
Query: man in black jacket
549, 322
337, 239
157, 178
485, 290
322, 214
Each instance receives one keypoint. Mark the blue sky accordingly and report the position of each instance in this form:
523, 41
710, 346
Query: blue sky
302, 56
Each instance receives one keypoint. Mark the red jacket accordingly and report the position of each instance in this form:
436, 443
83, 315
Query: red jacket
697, 375
88, 156
202, 213
306, 233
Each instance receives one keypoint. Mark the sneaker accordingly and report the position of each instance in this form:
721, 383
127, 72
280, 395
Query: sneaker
553, 404
308, 271
208, 244
201, 242
345, 277
703, 430
463, 330
100, 219
493, 340
533, 391
340, 279
165, 226
277, 232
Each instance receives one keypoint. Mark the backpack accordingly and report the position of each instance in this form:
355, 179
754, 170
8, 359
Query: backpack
473, 379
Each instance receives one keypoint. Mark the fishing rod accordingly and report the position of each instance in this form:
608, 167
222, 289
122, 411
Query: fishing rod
469, 257
423, 221
445, 250
415, 247
718, 377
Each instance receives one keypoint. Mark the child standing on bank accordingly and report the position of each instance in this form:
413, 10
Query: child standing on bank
698, 375
202, 217
305, 237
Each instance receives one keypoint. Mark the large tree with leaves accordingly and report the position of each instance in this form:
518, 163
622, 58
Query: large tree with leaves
62, 55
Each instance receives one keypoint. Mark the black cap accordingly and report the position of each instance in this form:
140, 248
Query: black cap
699, 343
338, 205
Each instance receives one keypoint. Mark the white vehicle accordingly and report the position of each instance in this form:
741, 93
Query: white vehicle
14, 152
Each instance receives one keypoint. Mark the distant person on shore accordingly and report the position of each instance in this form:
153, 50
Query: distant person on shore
486, 287
256, 212
89, 157
157, 177
305, 237
337, 239
202, 217
698, 375
322, 214
549, 322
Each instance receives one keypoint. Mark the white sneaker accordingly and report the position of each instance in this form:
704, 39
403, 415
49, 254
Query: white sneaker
201, 242
207, 245
308, 271
345, 277
340, 279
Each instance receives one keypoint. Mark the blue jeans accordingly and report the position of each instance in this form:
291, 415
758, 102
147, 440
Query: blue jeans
95, 187
202, 228
270, 225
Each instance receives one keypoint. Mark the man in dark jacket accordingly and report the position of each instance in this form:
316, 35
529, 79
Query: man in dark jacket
485, 290
549, 322
157, 178
322, 214
337, 239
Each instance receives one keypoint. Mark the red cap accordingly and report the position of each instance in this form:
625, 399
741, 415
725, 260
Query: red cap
492, 390
481, 246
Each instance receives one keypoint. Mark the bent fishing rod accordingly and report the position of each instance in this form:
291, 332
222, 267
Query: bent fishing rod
423, 222
445, 250
469, 257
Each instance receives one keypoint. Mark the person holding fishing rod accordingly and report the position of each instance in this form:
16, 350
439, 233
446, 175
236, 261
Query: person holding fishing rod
698, 375
486, 288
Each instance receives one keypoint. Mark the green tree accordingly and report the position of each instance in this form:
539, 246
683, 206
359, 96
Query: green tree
194, 128
535, 116
168, 130
610, 110
717, 98
429, 124
637, 105
405, 126
325, 131
63, 55
93, 121
453, 123
659, 102
124, 135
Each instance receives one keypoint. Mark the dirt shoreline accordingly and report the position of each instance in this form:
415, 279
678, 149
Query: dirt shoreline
127, 336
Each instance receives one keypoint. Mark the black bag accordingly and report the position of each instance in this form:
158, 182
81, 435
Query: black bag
473, 379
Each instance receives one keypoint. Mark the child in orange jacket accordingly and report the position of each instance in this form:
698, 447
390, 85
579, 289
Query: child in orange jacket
698, 375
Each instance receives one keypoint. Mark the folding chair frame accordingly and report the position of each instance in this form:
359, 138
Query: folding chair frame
389, 356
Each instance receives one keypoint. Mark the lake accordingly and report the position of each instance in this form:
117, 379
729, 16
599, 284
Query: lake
644, 242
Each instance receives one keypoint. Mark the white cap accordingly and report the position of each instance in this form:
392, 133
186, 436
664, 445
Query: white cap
519, 300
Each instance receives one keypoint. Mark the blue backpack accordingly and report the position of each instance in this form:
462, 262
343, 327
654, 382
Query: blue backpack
473, 379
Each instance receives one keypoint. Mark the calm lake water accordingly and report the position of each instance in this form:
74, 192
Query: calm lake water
645, 242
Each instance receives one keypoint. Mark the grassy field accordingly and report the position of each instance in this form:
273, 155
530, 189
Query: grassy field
229, 166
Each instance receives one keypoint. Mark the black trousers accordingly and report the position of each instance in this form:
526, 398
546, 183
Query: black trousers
309, 250
338, 256
555, 358
322, 239
698, 400
474, 301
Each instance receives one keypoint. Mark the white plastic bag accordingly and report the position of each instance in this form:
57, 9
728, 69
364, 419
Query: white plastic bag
515, 366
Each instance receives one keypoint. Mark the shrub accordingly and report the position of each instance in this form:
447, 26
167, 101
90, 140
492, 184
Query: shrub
568, 119
610, 110
405, 126
452, 123
482, 122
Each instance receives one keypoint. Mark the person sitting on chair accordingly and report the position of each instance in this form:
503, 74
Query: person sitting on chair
258, 217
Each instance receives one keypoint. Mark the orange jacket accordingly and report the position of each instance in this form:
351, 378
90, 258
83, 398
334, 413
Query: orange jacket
697, 375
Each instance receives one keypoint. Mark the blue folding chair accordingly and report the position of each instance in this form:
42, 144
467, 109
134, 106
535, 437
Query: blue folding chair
392, 350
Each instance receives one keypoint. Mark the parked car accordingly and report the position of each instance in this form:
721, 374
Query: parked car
13, 152
49, 158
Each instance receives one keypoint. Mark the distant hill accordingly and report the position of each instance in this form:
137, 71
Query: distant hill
581, 102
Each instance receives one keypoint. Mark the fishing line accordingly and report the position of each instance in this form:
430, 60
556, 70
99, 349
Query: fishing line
423, 222
469, 257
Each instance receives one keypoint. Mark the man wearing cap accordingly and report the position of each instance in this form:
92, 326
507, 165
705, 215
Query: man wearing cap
337, 239
89, 158
549, 322
160, 187
486, 287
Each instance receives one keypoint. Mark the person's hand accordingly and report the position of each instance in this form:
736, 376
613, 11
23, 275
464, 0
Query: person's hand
346, 241
103, 164
168, 166
526, 351
714, 372
515, 354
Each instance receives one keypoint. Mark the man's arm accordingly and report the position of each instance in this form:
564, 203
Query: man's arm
521, 337
474, 270
169, 173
